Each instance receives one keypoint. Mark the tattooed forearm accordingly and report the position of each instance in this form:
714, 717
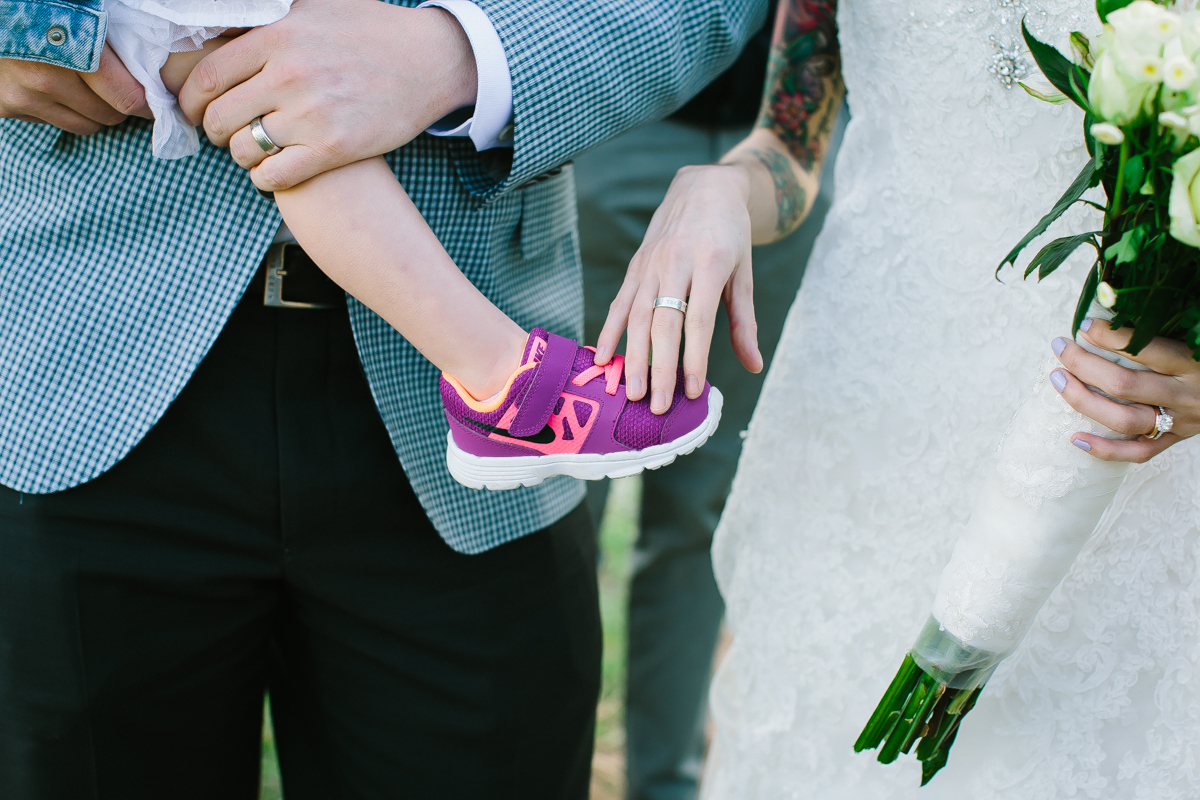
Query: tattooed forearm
804, 79
790, 198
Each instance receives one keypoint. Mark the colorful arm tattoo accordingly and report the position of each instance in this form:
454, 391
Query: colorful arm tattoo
790, 197
804, 79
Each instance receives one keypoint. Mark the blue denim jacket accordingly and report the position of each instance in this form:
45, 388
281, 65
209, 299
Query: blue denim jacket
68, 34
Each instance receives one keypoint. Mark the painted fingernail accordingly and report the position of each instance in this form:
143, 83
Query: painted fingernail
1058, 379
1086, 325
658, 400
1058, 345
693, 386
1081, 444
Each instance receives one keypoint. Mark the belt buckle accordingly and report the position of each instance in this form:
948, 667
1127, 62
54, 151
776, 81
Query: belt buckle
276, 272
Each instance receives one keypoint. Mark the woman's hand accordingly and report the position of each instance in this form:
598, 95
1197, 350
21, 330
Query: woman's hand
697, 249
1174, 384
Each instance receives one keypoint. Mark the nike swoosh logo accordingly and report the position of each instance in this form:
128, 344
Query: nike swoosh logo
544, 436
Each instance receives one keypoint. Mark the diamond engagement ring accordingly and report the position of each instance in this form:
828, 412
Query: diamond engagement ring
1162, 423
264, 141
671, 302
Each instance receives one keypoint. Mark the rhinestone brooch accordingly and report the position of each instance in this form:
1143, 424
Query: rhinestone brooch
1008, 64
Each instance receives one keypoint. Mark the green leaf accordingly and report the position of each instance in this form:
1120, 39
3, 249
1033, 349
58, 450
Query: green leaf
1082, 48
1135, 174
1156, 312
1123, 251
1132, 244
1080, 185
1080, 79
1189, 323
1051, 257
1055, 98
1055, 66
1085, 297
1106, 7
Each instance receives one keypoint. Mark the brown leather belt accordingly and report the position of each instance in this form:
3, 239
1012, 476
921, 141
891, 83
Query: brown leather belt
305, 287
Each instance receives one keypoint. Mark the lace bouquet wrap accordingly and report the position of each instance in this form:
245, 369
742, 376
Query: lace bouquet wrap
1137, 83
144, 32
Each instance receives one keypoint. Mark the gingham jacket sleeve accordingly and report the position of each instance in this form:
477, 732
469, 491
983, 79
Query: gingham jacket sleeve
586, 71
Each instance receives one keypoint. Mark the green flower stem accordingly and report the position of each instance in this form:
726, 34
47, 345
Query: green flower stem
893, 701
912, 717
1119, 192
930, 767
915, 707
940, 722
920, 725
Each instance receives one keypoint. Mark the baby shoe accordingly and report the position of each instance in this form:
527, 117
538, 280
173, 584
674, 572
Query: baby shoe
560, 414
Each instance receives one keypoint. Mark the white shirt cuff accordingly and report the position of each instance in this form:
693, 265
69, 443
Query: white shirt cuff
491, 124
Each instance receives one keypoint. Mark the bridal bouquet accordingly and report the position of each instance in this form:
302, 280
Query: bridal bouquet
1138, 85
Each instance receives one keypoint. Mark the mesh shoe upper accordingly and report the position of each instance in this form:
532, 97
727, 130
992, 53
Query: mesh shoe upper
589, 412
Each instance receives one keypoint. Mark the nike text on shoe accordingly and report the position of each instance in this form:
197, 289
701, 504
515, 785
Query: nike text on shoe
560, 414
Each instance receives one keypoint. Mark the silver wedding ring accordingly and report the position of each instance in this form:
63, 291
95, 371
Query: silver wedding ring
1162, 423
264, 141
670, 302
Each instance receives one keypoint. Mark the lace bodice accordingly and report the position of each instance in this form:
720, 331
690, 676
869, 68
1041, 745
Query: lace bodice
900, 367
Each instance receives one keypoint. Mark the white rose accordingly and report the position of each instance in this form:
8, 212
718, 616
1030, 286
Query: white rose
1106, 133
1166, 24
1178, 71
1136, 64
1185, 199
1171, 120
1189, 33
1177, 126
1144, 23
1116, 97
1105, 295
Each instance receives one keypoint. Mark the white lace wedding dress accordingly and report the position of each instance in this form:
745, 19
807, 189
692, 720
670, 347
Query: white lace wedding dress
900, 368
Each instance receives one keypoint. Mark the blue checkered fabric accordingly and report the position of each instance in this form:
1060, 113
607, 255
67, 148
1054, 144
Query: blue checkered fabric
118, 271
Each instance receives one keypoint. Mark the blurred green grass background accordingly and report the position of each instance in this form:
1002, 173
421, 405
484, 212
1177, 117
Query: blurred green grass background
618, 532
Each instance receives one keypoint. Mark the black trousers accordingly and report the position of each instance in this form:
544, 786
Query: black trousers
263, 536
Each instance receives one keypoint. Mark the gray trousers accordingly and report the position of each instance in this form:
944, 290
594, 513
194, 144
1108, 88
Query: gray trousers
675, 609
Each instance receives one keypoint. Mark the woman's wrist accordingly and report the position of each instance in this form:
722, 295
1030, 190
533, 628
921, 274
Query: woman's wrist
780, 192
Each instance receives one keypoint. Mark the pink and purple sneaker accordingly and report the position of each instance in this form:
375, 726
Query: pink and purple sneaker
560, 414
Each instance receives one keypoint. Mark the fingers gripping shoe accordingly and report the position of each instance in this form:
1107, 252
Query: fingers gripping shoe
560, 414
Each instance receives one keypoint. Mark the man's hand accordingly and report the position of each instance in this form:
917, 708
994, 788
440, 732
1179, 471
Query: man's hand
335, 81
77, 102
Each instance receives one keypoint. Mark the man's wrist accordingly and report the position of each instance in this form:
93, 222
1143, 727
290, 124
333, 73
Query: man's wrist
461, 79
488, 122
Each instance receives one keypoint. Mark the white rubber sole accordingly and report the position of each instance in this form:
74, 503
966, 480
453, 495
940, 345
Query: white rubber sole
511, 472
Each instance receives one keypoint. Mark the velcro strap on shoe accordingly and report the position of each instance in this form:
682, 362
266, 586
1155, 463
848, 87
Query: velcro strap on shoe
543, 393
